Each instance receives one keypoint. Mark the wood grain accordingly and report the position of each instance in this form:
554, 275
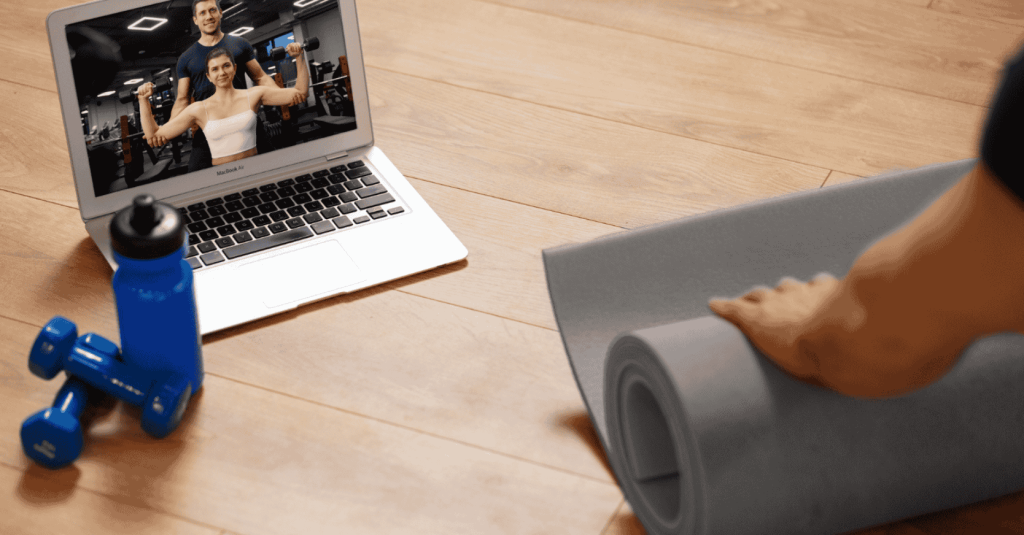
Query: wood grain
1004, 11
34, 160
753, 105
258, 462
851, 39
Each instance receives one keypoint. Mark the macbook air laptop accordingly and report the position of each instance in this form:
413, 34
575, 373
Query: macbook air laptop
317, 211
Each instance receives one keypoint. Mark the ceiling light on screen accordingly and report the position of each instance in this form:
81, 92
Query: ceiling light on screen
242, 31
133, 81
304, 3
106, 94
147, 24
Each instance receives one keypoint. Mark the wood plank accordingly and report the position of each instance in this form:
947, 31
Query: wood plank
835, 177
492, 382
888, 43
35, 500
258, 462
1005, 11
754, 105
34, 160
23, 28
565, 162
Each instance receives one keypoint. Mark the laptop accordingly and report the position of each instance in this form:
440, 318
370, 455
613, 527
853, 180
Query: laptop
317, 211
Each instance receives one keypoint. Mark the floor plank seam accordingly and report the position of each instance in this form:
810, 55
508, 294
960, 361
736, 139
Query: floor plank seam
606, 119
931, 7
55, 203
736, 54
828, 176
492, 314
415, 430
23, 84
6, 317
615, 514
116, 500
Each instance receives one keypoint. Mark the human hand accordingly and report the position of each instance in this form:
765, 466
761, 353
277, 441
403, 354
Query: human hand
297, 98
775, 320
155, 140
293, 49
145, 91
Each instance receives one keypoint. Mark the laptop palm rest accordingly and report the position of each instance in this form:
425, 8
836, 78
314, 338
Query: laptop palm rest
303, 273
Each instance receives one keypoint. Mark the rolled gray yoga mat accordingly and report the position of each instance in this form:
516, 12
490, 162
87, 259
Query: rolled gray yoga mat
706, 436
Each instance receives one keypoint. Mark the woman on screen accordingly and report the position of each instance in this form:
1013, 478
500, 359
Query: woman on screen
228, 117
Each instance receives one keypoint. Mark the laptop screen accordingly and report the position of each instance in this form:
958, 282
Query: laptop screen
222, 81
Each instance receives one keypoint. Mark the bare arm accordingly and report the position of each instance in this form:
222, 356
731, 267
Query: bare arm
158, 135
258, 76
911, 303
181, 101
275, 96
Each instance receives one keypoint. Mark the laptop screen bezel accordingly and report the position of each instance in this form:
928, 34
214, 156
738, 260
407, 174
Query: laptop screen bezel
92, 206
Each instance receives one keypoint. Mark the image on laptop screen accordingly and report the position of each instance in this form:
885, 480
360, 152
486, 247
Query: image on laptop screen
172, 46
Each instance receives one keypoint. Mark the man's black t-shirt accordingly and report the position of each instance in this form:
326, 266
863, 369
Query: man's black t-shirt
192, 64
1002, 145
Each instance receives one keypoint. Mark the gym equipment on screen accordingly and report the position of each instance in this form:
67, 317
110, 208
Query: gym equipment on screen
706, 436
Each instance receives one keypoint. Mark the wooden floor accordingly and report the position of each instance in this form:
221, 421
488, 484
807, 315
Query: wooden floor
444, 403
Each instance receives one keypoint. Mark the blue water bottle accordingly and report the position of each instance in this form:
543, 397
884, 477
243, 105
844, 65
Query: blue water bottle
153, 289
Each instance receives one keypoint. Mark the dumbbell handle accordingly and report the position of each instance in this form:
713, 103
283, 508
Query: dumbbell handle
108, 375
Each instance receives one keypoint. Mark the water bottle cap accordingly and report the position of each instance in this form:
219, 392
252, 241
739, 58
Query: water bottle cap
147, 229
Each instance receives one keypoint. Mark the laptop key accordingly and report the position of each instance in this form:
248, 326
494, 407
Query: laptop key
371, 191
216, 210
377, 215
303, 187
342, 222
362, 219
337, 178
208, 235
207, 247
312, 218
226, 230
376, 200
302, 198
370, 180
286, 191
233, 217
279, 216
269, 196
396, 210
267, 208
286, 182
296, 211
196, 206
320, 182
356, 173
212, 258
250, 213
245, 225
339, 168
296, 222
331, 201
284, 203
191, 252
224, 243
263, 244
193, 239
303, 178
357, 163
268, 187
321, 227
319, 194
194, 262
260, 232
196, 227
347, 208
233, 197
198, 215
251, 202
278, 228
234, 206
215, 222
250, 192
330, 213
314, 206
353, 184
348, 196
261, 221
319, 174
242, 237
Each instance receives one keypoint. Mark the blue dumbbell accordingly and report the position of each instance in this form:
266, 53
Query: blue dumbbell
93, 359
53, 437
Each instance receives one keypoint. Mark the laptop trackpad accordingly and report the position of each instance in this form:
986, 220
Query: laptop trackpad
298, 275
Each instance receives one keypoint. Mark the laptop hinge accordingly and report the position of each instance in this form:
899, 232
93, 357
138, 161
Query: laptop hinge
336, 155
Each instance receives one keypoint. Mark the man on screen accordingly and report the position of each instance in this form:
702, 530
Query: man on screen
192, 80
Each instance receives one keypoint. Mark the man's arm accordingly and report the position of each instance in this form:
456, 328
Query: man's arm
258, 76
181, 100
911, 303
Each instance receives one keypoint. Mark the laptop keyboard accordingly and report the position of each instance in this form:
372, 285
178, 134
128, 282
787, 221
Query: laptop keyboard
257, 219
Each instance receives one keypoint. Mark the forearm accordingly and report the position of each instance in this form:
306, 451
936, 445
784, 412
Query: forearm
914, 300
149, 125
302, 76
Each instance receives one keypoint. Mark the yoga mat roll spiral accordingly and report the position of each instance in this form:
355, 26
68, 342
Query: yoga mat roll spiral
708, 437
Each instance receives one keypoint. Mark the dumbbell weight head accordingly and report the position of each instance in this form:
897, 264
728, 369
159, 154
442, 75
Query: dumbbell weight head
51, 347
165, 405
311, 44
53, 437
160, 85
